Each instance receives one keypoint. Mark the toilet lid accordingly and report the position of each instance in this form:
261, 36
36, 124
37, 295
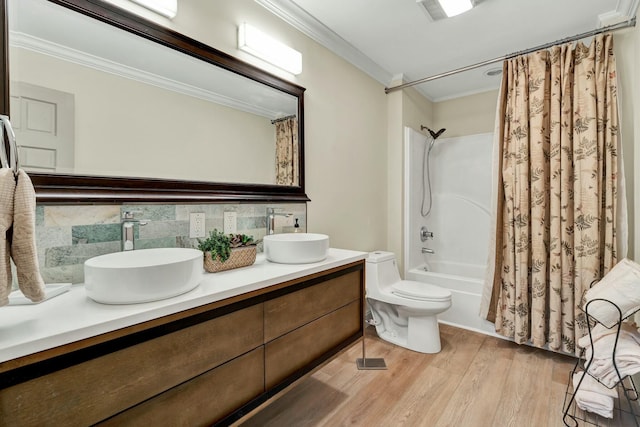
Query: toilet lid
421, 291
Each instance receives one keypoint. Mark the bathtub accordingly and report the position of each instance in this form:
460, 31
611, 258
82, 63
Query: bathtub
465, 281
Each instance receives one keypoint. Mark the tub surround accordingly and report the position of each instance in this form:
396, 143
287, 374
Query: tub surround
205, 357
466, 293
456, 253
460, 217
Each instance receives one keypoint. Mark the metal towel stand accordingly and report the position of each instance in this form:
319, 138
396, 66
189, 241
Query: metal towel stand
371, 363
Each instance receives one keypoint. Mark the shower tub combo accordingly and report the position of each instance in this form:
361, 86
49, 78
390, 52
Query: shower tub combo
455, 255
465, 284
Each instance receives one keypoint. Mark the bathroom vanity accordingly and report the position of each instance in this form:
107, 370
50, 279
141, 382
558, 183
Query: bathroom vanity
201, 358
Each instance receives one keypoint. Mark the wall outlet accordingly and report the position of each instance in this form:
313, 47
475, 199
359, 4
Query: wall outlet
196, 225
230, 223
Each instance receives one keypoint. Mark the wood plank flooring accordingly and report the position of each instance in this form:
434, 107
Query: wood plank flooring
475, 381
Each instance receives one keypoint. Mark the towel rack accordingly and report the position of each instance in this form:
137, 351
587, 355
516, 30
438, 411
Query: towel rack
629, 390
8, 160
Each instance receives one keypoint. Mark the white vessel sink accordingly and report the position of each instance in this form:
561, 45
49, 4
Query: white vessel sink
296, 248
142, 275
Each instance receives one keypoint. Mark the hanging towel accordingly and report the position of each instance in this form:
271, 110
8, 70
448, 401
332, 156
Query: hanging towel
594, 397
621, 285
7, 189
23, 244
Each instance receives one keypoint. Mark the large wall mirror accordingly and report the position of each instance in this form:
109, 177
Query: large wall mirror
110, 107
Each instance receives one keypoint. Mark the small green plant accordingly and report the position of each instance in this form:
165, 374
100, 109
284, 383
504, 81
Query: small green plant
220, 244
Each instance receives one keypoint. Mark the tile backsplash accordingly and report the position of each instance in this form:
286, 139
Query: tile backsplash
68, 235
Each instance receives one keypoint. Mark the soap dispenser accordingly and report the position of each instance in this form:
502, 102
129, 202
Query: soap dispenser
296, 227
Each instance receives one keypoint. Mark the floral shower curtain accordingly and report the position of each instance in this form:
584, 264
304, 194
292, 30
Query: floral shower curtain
557, 217
287, 151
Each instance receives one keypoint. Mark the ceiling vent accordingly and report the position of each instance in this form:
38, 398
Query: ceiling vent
442, 9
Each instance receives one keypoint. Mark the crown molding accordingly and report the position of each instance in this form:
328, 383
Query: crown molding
625, 11
26, 41
628, 8
294, 15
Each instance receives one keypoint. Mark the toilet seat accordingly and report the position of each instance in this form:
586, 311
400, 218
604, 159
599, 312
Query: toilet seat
420, 291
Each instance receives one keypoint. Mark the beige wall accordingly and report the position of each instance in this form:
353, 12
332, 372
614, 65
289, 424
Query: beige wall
633, 114
345, 122
395, 143
627, 47
469, 115
405, 108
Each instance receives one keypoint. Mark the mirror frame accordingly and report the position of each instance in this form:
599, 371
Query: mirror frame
67, 188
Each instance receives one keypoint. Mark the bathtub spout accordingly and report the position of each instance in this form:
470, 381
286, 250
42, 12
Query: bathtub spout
428, 251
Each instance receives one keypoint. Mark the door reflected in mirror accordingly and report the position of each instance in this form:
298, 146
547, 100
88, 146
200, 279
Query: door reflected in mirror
86, 105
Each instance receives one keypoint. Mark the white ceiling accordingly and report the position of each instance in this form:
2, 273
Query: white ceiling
391, 39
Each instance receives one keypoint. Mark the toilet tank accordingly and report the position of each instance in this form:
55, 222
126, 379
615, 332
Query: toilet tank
381, 269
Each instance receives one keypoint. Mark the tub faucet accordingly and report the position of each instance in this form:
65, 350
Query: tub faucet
128, 234
428, 251
271, 219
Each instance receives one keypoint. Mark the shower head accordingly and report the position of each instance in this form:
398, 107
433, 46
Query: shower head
435, 135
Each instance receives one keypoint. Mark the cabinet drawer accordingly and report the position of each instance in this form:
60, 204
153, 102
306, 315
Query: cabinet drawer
289, 353
203, 400
91, 391
288, 312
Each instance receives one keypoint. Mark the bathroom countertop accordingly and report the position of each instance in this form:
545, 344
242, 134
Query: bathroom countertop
72, 316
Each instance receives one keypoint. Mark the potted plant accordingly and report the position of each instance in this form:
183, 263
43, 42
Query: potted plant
227, 251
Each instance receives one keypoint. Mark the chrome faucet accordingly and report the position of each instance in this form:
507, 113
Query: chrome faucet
425, 234
428, 251
271, 219
128, 234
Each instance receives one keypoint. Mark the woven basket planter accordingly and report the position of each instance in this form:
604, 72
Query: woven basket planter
240, 257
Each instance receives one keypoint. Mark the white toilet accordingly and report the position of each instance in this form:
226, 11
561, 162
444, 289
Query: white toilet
404, 312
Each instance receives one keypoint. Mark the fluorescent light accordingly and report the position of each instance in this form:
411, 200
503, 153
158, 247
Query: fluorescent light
265, 47
455, 7
443, 9
168, 8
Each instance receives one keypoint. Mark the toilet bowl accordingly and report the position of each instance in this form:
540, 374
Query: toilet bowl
404, 312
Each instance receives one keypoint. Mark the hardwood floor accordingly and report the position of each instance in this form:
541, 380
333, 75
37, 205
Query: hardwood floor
476, 381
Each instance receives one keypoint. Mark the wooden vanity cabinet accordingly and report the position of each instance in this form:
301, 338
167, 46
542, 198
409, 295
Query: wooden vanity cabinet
203, 400
300, 326
92, 390
207, 365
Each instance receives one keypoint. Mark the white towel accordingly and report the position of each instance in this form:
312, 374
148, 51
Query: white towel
627, 359
592, 396
620, 286
23, 244
608, 335
7, 189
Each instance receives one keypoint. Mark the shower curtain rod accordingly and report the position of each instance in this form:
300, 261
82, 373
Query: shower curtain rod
619, 26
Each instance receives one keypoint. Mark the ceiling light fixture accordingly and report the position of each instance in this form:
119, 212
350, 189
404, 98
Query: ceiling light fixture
168, 8
265, 47
441, 9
